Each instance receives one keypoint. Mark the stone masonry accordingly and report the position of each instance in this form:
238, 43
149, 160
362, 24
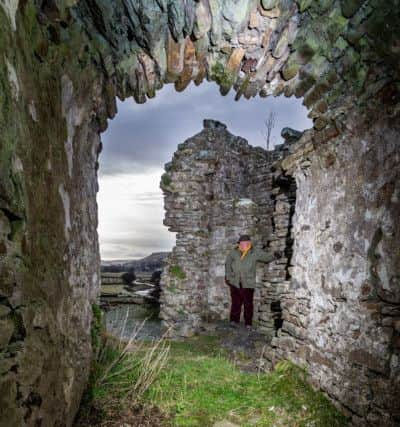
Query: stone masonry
62, 64
334, 317
340, 310
216, 187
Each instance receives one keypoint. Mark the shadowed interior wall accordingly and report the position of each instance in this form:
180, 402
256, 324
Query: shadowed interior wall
340, 315
62, 65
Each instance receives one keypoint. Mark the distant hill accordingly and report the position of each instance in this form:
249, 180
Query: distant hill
150, 263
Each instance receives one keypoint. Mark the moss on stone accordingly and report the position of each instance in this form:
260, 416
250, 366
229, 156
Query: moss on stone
336, 25
242, 88
304, 4
173, 289
177, 271
291, 67
8, 122
96, 328
166, 180
222, 77
350, 7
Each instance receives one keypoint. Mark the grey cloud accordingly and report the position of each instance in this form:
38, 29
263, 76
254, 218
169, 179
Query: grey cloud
149, 196
128, 248
144, 137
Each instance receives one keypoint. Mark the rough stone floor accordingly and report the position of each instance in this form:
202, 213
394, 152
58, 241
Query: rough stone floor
245, 347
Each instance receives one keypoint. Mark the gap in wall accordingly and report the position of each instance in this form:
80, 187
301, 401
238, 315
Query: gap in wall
142, 138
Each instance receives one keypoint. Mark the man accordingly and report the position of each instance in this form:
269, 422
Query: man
240, 275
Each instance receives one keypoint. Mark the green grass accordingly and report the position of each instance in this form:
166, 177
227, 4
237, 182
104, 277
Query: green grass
120, 373
200, 386
112, 289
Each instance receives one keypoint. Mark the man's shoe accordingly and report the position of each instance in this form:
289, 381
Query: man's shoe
233, 324
249, 327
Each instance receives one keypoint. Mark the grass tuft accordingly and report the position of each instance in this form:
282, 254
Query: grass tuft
121, 372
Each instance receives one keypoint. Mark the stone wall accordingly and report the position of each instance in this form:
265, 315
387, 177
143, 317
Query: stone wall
341, 308
62, 65
49, 255
332, 302
217, 187
278, 274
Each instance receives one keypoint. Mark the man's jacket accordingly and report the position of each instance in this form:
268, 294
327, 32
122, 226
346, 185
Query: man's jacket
244, 270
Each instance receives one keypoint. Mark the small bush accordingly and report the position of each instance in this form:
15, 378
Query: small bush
156, 277
128, 277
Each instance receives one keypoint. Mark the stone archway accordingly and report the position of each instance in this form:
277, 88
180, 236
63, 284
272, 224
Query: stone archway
62, 65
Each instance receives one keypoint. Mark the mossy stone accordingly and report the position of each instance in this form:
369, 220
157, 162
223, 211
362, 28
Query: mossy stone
166, 180
222, 77
291, 68
177, 271
304, 4
269, 4
350, 7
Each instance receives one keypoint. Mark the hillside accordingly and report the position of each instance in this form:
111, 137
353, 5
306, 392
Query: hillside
150, 263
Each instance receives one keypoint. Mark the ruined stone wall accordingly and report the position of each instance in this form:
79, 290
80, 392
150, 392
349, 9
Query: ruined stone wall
49, 255
217, 187
341, 307
276, 280
332, 302
62, 63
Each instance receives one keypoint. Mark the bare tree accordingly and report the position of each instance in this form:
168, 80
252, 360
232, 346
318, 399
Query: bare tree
269, 123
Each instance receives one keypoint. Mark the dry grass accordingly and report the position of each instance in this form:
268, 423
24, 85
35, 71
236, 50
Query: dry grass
123, 370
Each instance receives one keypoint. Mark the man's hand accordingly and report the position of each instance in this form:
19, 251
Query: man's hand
227, 281
278, 254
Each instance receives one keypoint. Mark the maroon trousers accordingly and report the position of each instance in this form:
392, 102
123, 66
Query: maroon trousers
241, 296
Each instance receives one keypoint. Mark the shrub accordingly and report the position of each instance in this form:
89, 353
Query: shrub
128, 278
156, 277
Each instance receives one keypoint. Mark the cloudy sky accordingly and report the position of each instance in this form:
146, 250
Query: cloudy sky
143, 137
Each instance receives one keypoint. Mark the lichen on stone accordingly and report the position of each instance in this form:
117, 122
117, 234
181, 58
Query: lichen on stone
177, 271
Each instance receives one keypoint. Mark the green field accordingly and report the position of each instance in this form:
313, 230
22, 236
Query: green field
112, 289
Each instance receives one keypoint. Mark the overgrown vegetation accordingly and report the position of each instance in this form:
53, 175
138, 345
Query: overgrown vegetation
96, 327
121, 373
196, 383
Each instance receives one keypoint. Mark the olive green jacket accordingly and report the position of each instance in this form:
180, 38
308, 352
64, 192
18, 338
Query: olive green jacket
244, 270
